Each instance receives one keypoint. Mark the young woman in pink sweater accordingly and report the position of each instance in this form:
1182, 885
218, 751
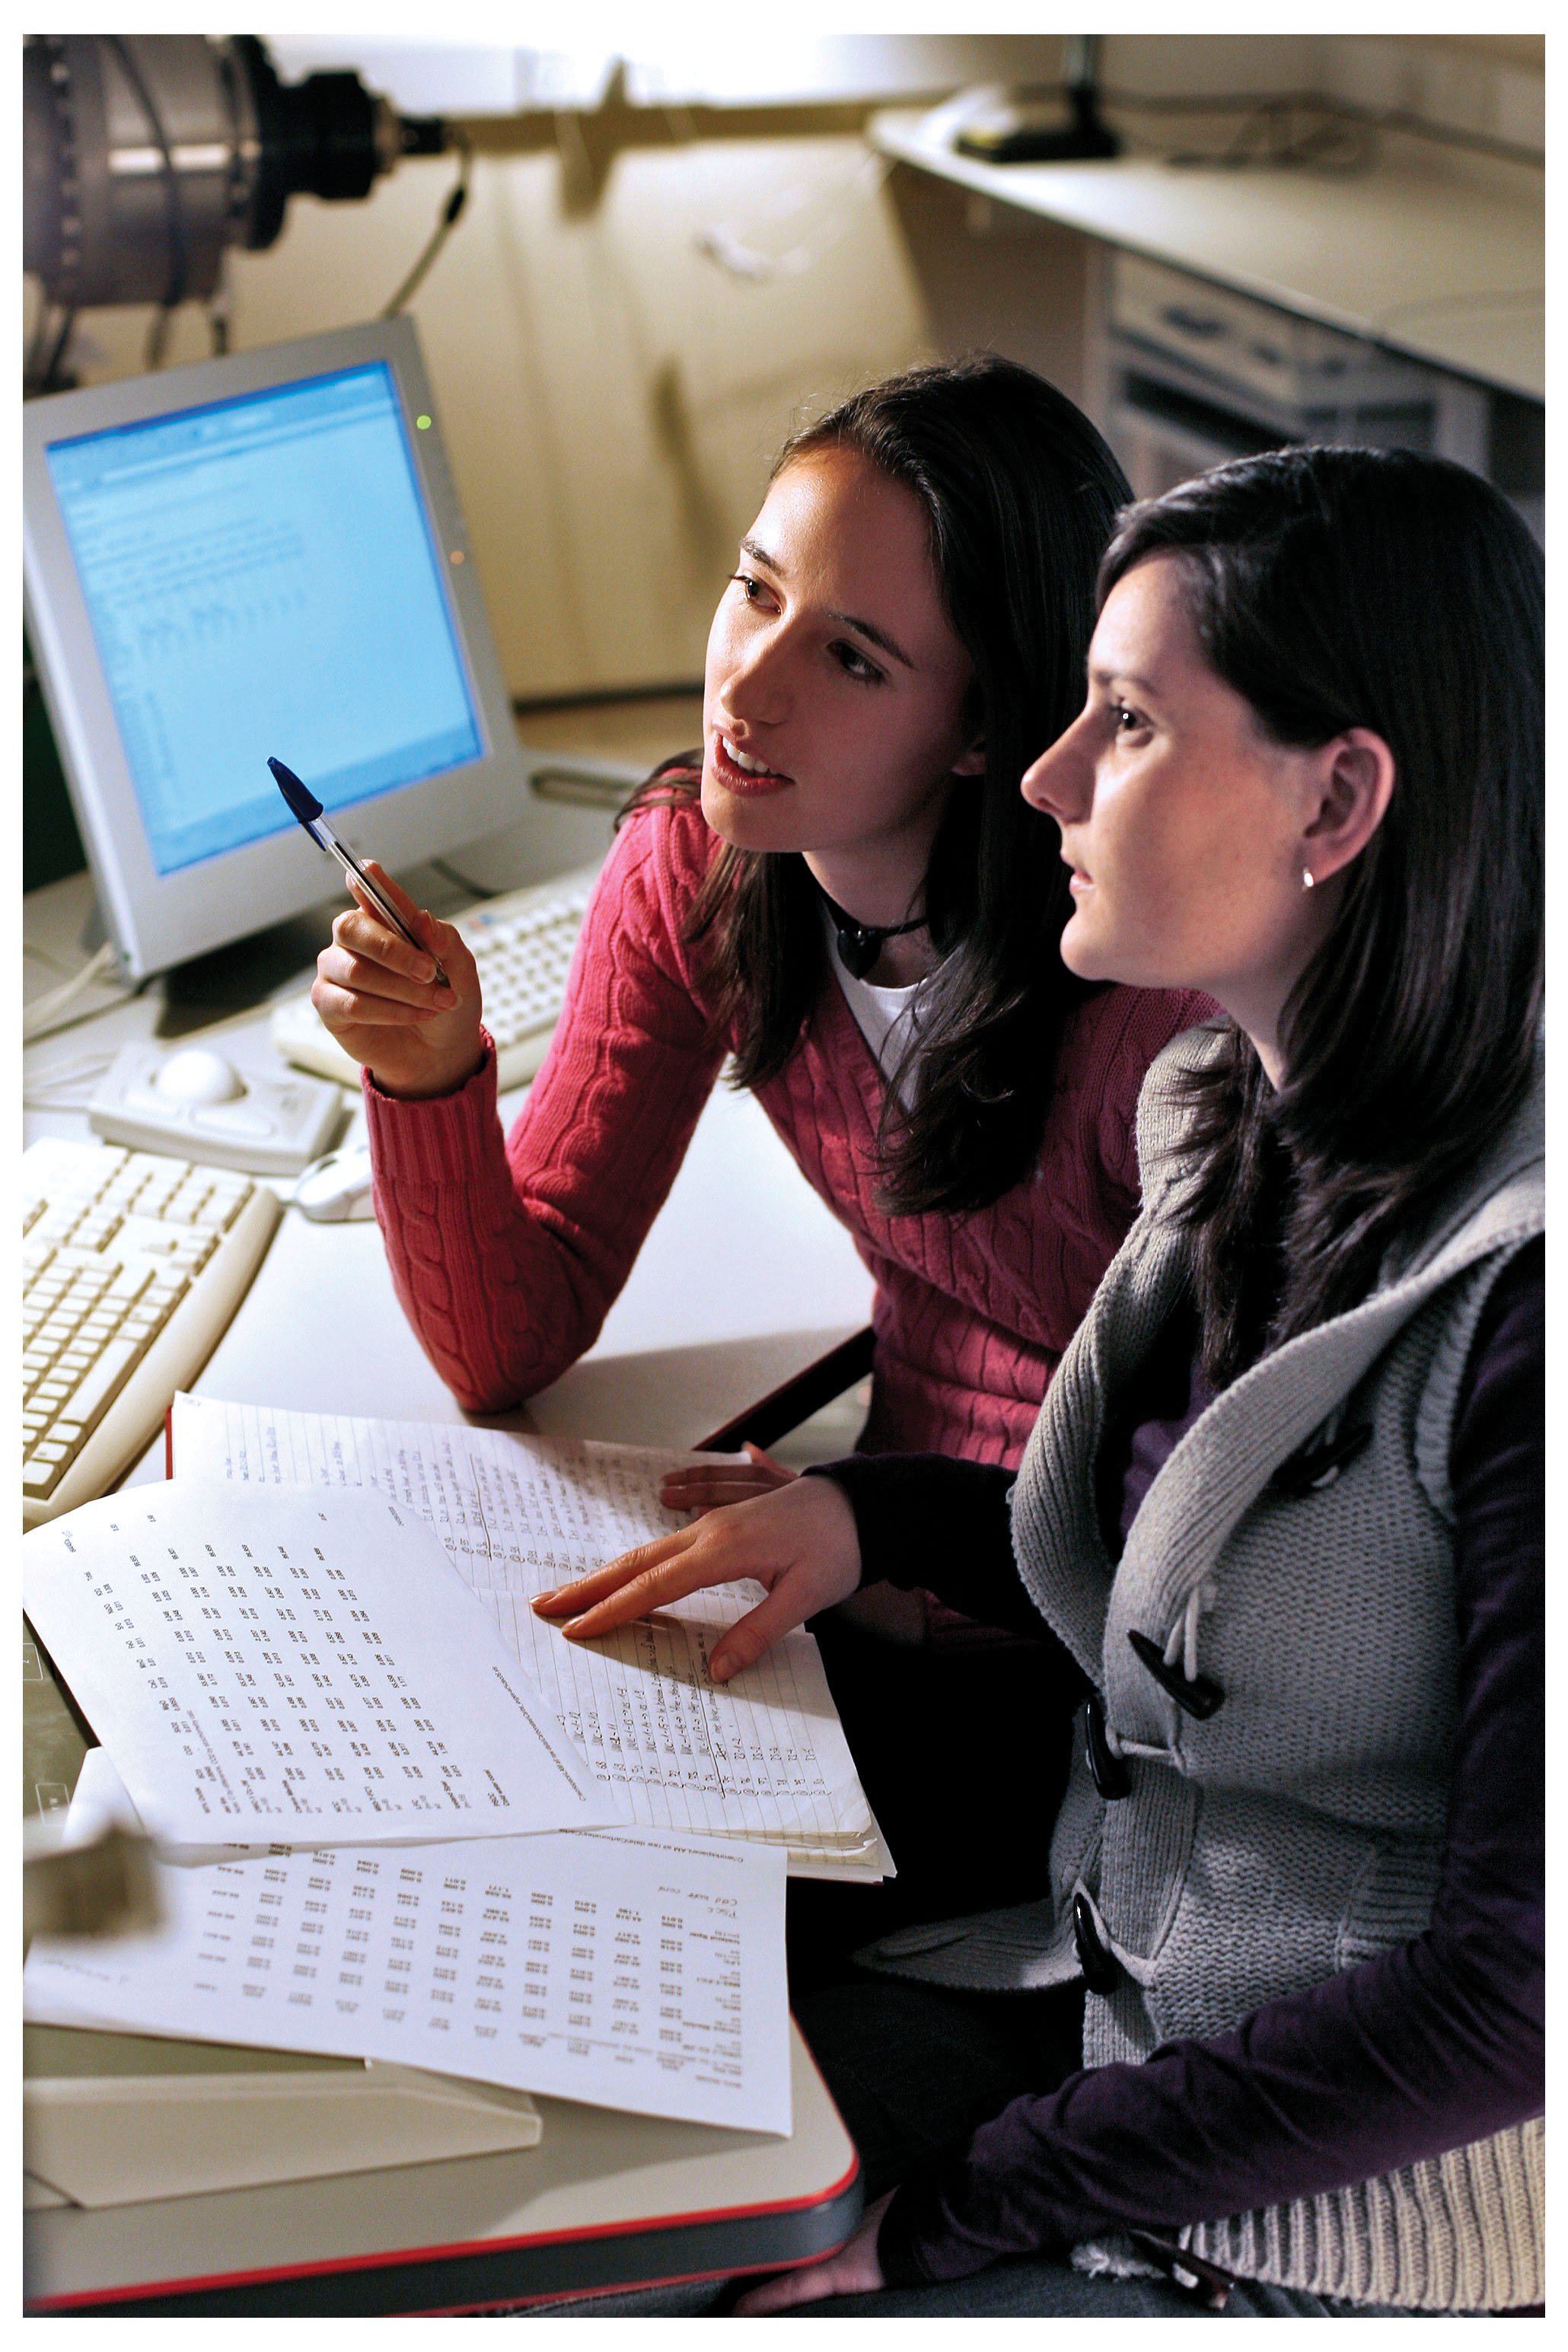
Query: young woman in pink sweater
843, 892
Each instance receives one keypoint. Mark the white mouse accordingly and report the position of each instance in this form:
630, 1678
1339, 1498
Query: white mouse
196, 1076
336, 1186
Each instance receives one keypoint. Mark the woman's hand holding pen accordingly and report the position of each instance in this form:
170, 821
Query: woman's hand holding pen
382, 1002
799, 1541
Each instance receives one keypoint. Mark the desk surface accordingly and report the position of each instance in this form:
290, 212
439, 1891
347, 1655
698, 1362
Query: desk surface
1425, 261
745, 1278
603, 2201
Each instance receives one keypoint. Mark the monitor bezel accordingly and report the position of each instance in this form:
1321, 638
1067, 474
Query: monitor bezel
157, 920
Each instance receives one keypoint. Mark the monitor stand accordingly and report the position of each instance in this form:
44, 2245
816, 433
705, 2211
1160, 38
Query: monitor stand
250, 972
243, 976
569, 823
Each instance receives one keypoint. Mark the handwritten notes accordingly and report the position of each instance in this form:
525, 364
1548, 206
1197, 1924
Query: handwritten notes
284, 1666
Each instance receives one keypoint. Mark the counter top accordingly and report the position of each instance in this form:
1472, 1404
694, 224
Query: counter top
1426, 263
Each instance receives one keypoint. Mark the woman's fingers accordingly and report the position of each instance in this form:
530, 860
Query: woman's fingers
362, 929
854, 2269
789, 1604
601, 1583
643, 1589
800, 1541
380, 997
341, 1009
360, 936
761, 1461
414, 916
710, 1485
713, 1490
363, 976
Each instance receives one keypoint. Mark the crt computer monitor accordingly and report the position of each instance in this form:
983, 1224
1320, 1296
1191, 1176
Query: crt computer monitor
263, 554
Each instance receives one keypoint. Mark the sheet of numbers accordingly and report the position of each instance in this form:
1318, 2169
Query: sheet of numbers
637, 1972
266, 1664
763, 1756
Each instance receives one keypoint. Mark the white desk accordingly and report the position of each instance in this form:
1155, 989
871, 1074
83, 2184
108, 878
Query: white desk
745, 1279
603, 2201
1418, 255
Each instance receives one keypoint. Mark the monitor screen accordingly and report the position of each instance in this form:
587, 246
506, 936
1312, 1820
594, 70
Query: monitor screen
260, 556
259, 576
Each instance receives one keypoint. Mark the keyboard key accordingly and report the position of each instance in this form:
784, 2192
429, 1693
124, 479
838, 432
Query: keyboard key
103, 1379
122, 1248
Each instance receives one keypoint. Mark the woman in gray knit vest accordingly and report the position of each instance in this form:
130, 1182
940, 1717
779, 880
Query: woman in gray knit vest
1278, 2032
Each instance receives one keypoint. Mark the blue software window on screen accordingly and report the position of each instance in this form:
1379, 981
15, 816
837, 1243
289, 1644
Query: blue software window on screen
260, 577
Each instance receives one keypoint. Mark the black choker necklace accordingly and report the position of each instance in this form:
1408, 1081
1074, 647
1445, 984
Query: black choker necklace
859, 944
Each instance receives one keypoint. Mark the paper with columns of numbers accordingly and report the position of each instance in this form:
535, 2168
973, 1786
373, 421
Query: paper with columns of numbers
283, 1666
763, 1756
623, 1968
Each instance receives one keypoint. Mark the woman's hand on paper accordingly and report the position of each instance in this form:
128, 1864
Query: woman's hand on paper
711, 1486
382, 1002
853, 2269
800, 1541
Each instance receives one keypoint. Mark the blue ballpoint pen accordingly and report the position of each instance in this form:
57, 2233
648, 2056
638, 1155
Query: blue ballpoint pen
308, 809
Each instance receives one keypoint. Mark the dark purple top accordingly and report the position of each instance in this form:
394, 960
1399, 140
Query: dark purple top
1433, 2044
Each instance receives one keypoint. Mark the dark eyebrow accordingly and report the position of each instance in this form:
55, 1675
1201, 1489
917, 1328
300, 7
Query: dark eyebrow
867, 629
1104, 677
877, 636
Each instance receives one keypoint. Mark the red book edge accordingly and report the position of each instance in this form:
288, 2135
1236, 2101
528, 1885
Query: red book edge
169, 1442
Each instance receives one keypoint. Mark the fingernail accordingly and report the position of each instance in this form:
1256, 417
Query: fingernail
446, 996
539, 1598
426, 968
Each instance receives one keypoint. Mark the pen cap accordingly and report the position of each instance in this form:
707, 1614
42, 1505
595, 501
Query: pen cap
305, 805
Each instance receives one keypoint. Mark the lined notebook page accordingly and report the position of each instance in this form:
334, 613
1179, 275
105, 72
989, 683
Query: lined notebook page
762, 1756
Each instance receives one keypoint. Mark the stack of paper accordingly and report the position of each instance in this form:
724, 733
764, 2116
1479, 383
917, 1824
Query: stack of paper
362, 1794
762, 1756
620, 1969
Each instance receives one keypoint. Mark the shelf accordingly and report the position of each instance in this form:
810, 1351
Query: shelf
1425, 262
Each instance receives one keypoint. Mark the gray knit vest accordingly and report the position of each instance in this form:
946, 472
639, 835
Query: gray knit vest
1296, 1830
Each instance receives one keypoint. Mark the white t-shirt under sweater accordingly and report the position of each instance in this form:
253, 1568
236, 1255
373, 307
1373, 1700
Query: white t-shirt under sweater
886, 1017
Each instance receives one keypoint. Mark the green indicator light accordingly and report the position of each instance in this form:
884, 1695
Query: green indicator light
423, 423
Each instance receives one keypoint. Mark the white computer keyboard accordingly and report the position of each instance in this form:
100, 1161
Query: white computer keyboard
522, 945
132, 1266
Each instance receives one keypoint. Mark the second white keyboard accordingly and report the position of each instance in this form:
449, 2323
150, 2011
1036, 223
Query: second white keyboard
522, 944
132, 1266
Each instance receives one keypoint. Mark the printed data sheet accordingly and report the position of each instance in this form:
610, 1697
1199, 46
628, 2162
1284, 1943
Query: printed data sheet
282, 1666
762, 1756
623, 1968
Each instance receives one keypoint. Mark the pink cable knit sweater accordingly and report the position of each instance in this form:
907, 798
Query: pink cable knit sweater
507, 1256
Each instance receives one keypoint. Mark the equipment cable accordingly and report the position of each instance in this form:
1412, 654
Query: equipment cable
451, 211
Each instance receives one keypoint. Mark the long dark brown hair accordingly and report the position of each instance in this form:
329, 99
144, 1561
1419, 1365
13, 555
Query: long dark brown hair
1339, 588
1020, 493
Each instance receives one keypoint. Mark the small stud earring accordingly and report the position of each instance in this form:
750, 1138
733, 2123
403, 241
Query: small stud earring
1307, 883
